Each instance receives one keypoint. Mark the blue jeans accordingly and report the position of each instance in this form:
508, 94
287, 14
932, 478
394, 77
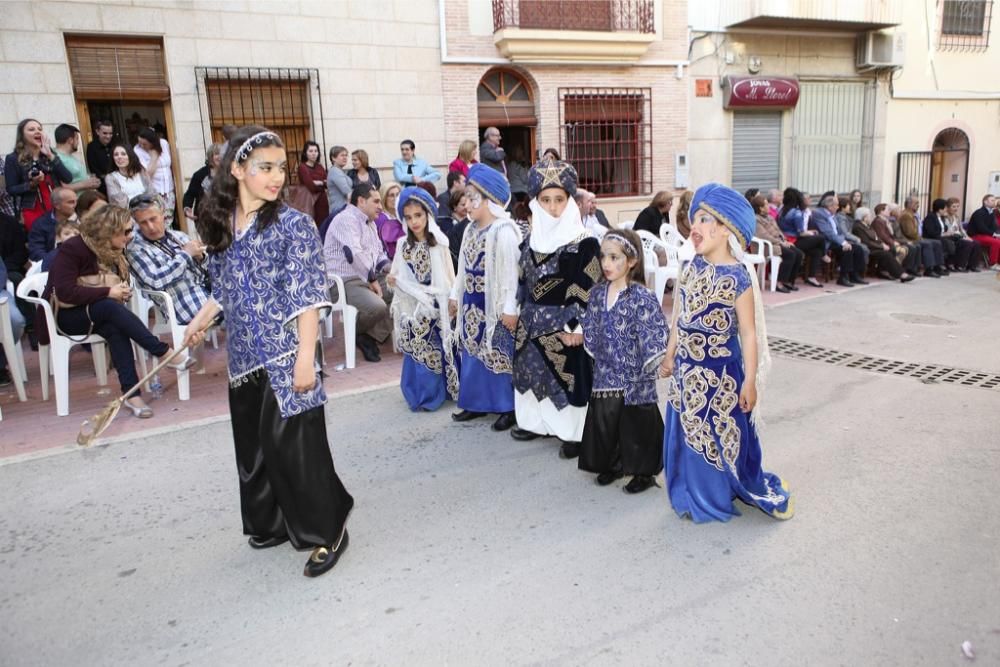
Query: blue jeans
17, 323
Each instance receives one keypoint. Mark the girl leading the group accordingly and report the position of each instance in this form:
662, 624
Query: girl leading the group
268, 278
716, 361
422, 277
625, 332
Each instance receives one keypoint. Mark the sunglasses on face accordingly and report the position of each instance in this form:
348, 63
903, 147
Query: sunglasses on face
141, 201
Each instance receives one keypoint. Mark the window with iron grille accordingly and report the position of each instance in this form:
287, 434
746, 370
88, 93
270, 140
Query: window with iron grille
965, 25
283, 100
606, 133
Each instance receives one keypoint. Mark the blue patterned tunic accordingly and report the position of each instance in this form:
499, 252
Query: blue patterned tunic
627, 341
711, 449
263, 281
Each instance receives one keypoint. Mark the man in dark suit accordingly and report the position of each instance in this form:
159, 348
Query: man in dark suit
957, 250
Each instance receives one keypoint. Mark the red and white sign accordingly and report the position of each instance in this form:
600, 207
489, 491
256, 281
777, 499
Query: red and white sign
771, 92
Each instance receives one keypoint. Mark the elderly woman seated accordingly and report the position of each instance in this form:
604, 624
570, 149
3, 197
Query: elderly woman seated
882, 253
88, 286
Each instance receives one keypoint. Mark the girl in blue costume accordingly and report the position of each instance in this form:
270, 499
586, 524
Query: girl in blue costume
716, 361
422, 278
626, 333
269, 280
484, 300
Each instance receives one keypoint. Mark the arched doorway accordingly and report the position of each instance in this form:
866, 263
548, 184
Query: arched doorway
505, 101
950, 165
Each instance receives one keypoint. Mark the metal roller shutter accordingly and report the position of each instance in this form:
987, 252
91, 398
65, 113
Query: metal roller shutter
756, 150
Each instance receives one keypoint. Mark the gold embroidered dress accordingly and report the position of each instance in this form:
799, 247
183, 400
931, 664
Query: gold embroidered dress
711, 450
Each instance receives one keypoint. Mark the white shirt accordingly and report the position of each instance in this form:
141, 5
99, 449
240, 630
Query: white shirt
163, 179
131, 186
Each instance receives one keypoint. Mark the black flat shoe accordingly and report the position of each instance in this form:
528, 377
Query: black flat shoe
504, 422
792, 287
813, 282
519, 433
782, 289
266, 542
466, 415
844, 282
606, 478
322, 559
907, 278
638, 484
943, 271
569, 450
858, 280
368, 347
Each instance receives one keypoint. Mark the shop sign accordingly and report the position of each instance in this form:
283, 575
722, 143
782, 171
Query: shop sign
771, 92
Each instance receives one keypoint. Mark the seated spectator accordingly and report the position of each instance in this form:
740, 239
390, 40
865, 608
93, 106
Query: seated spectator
954, 229
793, 224
589, 209
42, 237
849, 255
338, 183
64, 232
587, 203
652, 217
468, 155
166, 260
361, 171
390, 229
411, 170
791, 257
931, 250
883, 254
682, 219
907, 255
457, 224
958, 251
456, 183
201, 180
14, 255
429, 188
89, 283
32, 171
983, 229
67, 144
17, 322
88, 201
354, 252
490, 152
774, 204
845, 225
128, 179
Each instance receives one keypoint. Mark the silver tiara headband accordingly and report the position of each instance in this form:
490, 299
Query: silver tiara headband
253, 142
626, 245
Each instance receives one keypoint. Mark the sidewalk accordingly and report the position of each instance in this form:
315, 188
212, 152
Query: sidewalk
32, 428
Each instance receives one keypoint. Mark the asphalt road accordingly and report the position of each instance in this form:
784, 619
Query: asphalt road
469, 548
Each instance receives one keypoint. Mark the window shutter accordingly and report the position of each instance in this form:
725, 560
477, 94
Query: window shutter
117, 68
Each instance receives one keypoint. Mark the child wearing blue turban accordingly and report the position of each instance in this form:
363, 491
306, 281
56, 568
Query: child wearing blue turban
716, 361
422, 277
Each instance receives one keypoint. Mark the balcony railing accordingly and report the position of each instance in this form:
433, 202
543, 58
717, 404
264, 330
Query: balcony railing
595, 15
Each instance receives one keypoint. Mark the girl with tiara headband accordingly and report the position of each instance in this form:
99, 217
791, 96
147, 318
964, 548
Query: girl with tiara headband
716, 361
268, 279
625, 332
484, 300
559, 265
422, 277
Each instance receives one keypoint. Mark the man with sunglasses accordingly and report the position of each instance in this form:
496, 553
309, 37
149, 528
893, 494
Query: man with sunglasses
166, 260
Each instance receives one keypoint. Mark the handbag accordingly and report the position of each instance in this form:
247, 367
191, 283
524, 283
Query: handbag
103, 279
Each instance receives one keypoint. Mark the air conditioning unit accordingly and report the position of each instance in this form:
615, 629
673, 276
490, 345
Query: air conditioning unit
881, 49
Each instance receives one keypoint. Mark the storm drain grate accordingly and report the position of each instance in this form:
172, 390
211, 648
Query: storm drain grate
927, 373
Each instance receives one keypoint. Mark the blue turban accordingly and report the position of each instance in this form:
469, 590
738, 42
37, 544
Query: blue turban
729, 207
551, 174
490, 182
412, 193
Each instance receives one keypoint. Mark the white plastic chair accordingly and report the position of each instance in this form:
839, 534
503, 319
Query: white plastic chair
36, 267
59, 346
757, 261
628, 224
12, 348
163, 324
661, 273
348, 317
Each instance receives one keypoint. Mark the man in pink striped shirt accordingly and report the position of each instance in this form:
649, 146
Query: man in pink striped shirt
354, 251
